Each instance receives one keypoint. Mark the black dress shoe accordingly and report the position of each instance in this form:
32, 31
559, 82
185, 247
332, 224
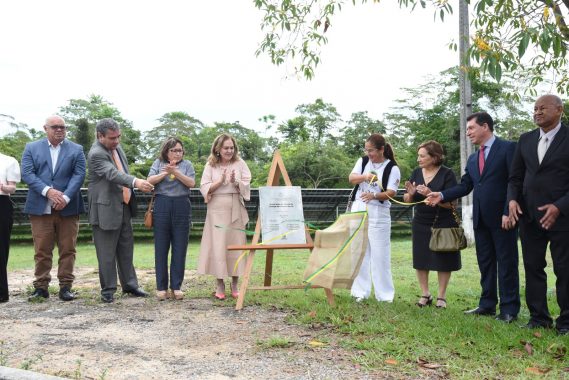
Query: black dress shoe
38, 294
481, 311
107, 298
533, 324
138, 292
65, 294
506, 318
563, 331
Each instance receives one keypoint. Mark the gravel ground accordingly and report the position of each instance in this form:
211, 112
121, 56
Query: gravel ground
133, 338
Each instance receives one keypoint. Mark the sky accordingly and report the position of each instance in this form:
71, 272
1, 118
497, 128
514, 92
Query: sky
198, 56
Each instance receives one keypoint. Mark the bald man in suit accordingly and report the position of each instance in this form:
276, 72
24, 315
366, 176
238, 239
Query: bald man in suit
54, 169
538, 194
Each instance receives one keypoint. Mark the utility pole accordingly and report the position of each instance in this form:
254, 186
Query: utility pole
465, 109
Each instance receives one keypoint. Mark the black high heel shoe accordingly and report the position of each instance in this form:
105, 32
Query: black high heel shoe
429, 302
441, 306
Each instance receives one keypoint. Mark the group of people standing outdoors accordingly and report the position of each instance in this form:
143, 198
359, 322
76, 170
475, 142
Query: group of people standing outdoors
55, 168
521, 185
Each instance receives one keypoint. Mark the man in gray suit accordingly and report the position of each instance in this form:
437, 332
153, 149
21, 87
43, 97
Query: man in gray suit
111, 205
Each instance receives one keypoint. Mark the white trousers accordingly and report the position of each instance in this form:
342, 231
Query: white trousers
376, 265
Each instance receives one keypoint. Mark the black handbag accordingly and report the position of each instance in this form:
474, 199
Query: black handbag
449, 239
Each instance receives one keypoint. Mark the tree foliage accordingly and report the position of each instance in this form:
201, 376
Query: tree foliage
525, 37
314, 165
84, 135
13, 143
94, 109
431, 111
358, 128
172, 124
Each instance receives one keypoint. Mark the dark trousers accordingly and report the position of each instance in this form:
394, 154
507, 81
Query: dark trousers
171, 221
497, 255
6, 222
534, 245
115, 251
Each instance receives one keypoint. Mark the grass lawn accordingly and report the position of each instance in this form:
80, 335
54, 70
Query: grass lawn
399, 337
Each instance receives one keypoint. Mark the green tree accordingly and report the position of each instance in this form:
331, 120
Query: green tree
84, 135
431, 111
173, 124
505, 31
96, 108
294, 130
252, 147
315, 165
357, 130
13, 143
320, 118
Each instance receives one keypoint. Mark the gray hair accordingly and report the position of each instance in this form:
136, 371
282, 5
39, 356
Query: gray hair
107, 124
54, 117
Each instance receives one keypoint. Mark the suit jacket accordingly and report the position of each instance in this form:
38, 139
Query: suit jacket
68, 176
105, 188
533, 184
490, 187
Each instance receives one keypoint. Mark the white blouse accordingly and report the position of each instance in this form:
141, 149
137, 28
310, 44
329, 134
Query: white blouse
9, 170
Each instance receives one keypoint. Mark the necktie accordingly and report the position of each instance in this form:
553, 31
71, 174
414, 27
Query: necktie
481, 158
125, 190
542, 148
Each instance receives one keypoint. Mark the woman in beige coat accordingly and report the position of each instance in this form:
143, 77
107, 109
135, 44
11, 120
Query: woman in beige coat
225, 184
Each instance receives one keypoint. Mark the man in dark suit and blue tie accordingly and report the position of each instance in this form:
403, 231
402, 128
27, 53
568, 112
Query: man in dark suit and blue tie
54, 169
538, 194
486, 174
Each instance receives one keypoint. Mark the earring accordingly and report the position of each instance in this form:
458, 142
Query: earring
217, 154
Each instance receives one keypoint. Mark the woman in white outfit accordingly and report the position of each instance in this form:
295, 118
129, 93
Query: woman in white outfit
376, 265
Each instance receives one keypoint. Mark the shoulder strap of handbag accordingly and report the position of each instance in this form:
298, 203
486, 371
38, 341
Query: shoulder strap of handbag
151, 203
454, 214
385, 176
365, 160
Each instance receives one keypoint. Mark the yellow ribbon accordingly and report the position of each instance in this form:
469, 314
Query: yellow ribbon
246, 252
339, 254
395, 200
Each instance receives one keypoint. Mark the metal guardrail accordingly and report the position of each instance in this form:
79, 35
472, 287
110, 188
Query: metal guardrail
321, 206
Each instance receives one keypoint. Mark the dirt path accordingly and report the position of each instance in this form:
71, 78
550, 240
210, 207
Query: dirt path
146, 339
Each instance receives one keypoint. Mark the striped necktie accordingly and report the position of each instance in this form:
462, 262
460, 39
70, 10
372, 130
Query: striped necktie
125, 190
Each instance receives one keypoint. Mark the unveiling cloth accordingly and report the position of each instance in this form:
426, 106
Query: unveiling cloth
338, 252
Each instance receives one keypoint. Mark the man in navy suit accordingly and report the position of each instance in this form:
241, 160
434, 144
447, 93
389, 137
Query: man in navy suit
538, 194
486, 173
54, 169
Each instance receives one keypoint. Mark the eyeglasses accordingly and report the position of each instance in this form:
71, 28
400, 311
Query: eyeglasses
370, 150
176, 151
60, 127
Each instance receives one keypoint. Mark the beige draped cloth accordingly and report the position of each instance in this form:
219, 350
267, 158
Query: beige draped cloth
338, 252
225, 208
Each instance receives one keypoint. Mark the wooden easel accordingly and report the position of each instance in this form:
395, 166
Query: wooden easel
277, 169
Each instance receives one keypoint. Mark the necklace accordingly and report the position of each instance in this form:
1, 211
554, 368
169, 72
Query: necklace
430, 177
377, 165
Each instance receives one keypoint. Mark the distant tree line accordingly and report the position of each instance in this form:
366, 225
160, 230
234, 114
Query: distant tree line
318, 145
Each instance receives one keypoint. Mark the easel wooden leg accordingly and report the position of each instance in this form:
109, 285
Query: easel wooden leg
269, 267
330, 296
245, 280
